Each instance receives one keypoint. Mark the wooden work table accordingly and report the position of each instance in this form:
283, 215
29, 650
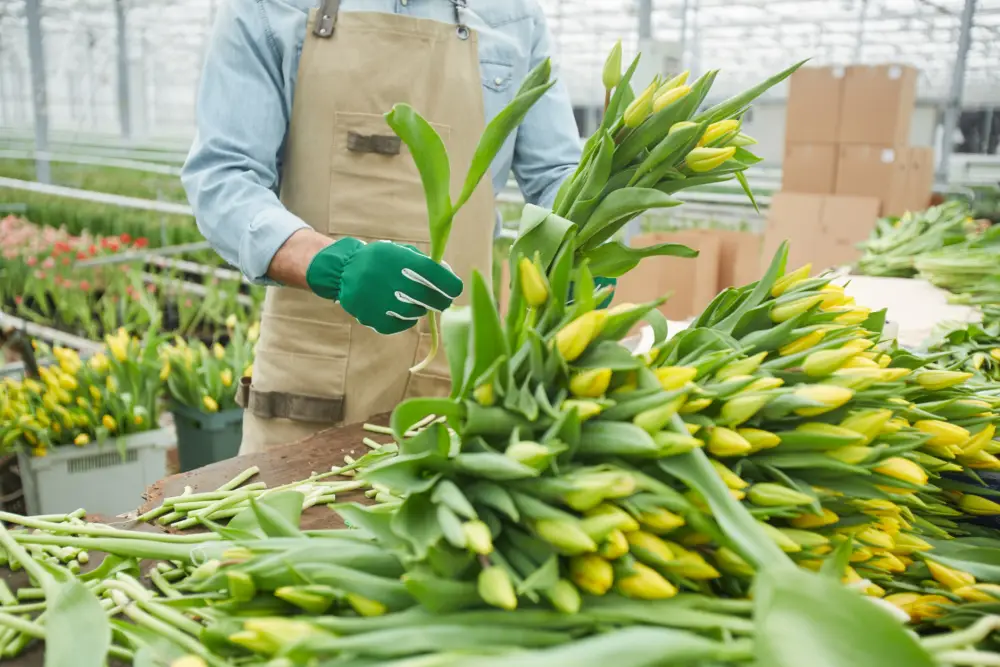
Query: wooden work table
285, 464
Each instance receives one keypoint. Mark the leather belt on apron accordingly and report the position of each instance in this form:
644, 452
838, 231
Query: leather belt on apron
346, 174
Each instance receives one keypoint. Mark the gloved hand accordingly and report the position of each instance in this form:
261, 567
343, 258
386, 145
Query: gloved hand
384, 285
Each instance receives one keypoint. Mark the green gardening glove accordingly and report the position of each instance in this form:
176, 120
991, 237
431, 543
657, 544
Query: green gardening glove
383, 285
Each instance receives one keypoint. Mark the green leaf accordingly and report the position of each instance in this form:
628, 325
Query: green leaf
670, 187
441, 595
447, 493
836, 564
761, 292
982, 562
608, 354
275, 522
616, 209
622, 321
607, 438
456, 327
541, 579
77, 629
451, 527
597, 179
540, 232
806, 619
406, 474
416, 522
286, 504
621, 98
673, 146
741, 177
411, 411
495, 467
743, 156
503, 124
736, 103
431, 158
613, 260
370, 520
488, 341
733, 518
494, 496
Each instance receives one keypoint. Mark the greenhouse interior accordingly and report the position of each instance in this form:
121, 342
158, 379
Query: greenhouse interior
690, 357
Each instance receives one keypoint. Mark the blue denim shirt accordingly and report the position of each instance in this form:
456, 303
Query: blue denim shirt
245, 103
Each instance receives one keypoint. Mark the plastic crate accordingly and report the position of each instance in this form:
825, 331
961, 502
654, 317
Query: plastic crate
97, 477
205, 438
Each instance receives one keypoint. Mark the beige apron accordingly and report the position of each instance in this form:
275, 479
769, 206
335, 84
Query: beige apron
346, 174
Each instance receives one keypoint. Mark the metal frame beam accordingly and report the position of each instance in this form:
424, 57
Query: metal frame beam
39, 89
124, 97
954, 105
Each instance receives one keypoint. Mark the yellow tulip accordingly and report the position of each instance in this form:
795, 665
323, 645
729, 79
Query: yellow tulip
533, 285
591, 383
726, 442
719, 130
942, 433
787, 311
209, 403
572, 340
640, 108
937, 380
790, 279
950, 577
662, 101
831, 398
802, 344
674, 377
611, 76
701, 160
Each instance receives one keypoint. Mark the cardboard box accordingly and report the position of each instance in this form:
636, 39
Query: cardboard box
810, 168
823, 230
814, 102
693, 282
875, 171
877, 104
739, 257
920, 178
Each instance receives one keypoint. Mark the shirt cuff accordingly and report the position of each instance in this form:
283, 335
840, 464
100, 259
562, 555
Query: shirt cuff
265, 236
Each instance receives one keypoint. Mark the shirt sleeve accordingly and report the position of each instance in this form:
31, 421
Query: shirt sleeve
244, 105
548, 147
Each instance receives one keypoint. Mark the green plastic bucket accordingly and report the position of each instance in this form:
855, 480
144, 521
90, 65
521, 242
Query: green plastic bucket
204, 438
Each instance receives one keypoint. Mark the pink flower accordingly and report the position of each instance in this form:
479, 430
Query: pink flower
141, 242
85, 285
31, 261
151, 288
39, 275
19, 299
126, 238
81, 255
49, 263
187, 303
66, 261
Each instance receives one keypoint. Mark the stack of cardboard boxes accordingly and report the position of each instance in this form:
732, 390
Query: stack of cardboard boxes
847, 161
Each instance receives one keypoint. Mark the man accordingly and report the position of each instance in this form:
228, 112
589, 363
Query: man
294, 94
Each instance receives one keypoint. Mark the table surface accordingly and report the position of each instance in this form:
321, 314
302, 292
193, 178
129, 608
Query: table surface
282, 465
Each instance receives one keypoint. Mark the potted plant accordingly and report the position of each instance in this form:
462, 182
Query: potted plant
86, 433
201, 384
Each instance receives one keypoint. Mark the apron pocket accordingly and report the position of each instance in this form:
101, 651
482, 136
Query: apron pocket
302, 357
376, 189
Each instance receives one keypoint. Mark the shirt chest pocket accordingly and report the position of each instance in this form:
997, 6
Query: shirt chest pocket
499, 88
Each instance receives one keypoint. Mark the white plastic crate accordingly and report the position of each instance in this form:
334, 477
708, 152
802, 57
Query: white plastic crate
97, 477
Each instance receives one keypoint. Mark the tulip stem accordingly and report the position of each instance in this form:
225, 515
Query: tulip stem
973, 634
972, 658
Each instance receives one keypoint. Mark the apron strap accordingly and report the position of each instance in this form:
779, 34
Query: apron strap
277, 405
326, 18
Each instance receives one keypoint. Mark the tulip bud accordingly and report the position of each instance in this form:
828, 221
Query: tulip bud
675, 444
742, 367
759, 439
825, 362
903, 470
645, 583
853, 316
949, 577
809, 521
869, 423
937, 380
718, 130
726, 442
189, 661
989, 593
311, 599
701, 160
676, 82
572, 340
660, 520
767, 494
929, 607
531, 454
833, 297
592, 574
690, 564
732, 563
533, 283
852, 454
682, 125
599, 526
654, 419
762, 384
907, 543
806, 539
612, 74
496, 589
668, 97
729, 478
785, 312
790, 280
830, 396
874, 537
887, 563
942, 433
742, 140
695, 405
737, 410
564, 597
858, 379
484, 394
640, 108
785, 543
674, 377
591, 383
478, 537
566, 536
979, 441
802, 344
978, 506
584, 409
280, 632
615, 546
860, 362
649, 549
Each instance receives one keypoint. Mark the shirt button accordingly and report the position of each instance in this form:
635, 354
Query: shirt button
497, 81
